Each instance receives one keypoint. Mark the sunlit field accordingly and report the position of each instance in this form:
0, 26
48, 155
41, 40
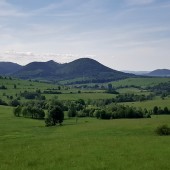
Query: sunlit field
89, 144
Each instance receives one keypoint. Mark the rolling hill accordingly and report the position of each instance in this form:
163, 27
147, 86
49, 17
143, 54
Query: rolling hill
160, 73
82, 70
7, 68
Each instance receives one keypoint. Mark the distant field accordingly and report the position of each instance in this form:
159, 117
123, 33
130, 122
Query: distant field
150, 104
142, 82
68, 93
92, 144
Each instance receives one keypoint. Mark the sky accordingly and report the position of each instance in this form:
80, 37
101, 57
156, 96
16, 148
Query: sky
121, 34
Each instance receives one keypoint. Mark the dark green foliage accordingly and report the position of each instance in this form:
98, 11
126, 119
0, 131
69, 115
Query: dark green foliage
162, 89
33, 95
55, 112
111, 90
121, 111
54, 102
155, 110
3, 87
163, 130
86, 112
72, 110
14, 103
17, 111
51, 92
158, 110
33, 112
110, 87
102, 114
132, 98
55, 116
3, 102
15, 86
30, 95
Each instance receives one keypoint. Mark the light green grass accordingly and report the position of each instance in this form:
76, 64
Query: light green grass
92, 144
150, 104
142, 82
68, 93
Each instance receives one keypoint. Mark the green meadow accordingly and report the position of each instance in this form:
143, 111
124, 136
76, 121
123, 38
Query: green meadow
142, 82
91, 144
150, 104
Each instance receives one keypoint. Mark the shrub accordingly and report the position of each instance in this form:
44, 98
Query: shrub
163, 130
15, 103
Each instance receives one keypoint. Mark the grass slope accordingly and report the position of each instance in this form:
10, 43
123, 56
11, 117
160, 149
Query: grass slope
89, 145
67, 94
142, 82
151, 103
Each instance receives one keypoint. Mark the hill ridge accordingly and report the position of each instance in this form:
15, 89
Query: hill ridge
83, 69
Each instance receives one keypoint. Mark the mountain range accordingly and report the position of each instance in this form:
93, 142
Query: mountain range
83, 70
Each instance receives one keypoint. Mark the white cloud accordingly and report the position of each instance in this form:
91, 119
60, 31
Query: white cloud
27, 57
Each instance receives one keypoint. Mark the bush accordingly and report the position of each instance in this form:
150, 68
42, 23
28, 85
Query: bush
3, 103
15, 103
163, 130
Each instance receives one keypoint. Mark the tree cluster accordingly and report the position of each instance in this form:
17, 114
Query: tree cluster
159, 111
132, 97
29, 110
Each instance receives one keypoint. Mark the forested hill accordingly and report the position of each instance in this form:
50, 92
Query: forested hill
7, 68
160, 73
82, 70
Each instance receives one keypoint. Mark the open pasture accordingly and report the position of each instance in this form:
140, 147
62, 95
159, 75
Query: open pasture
91, 144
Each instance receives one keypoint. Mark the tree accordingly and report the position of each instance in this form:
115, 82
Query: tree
17, 111
15, 86
166, 110
110, 87
55, 116
72, 110
155, 110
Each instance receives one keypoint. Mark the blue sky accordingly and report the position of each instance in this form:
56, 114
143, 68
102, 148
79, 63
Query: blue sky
122, 34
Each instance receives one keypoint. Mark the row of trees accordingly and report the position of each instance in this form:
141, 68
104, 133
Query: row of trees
29, 112
158, 110
35, 110
132, 97
115, 112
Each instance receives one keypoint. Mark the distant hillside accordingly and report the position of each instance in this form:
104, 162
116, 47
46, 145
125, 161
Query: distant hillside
83, 70
160, 73
7, 68
34, 70
137, 72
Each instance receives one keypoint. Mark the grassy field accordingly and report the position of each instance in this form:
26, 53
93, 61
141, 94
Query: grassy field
142, 82
91, 144
68, 93
151, 103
